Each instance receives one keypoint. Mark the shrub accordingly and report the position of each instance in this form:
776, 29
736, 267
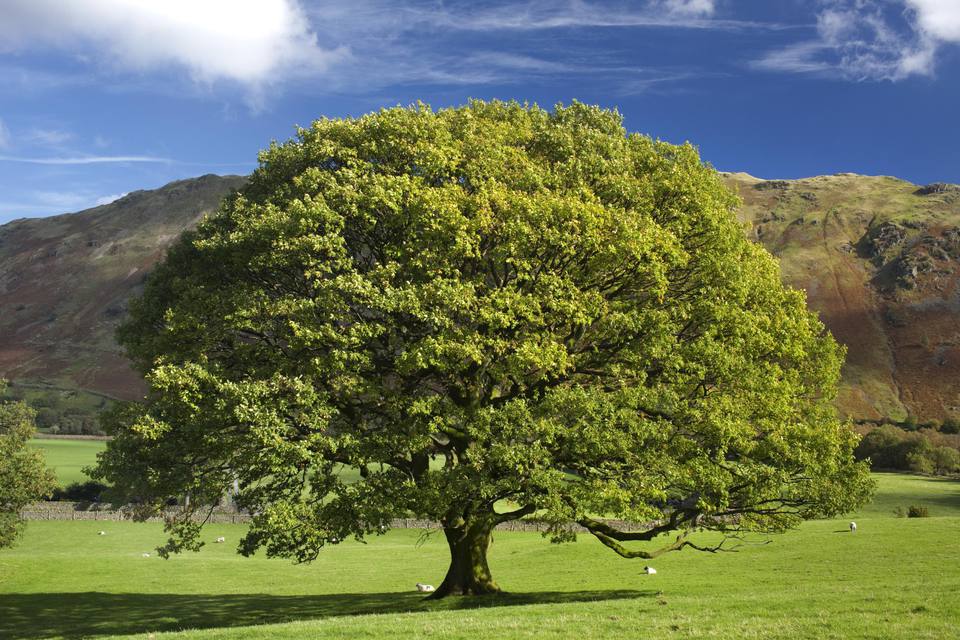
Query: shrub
918, 458
89, 491
922, 451
917, 511
945, 460
951, 425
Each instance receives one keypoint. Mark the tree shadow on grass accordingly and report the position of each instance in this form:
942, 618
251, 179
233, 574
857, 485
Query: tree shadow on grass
82, 615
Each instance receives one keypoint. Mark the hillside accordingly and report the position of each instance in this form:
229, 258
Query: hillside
65, 281
879, 258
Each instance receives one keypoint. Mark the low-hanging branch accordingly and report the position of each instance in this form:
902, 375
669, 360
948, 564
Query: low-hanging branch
681, 542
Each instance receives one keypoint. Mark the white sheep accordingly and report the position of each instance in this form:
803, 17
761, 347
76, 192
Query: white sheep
101, 533
649, 570
146, 555
221, 539
425, 588
853, 527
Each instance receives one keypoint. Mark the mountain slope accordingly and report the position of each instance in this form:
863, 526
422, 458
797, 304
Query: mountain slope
878, 258
65, 281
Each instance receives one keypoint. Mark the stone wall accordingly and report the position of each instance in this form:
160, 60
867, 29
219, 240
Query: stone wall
103, 511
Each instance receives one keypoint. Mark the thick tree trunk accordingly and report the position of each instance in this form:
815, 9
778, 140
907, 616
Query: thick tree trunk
469, 573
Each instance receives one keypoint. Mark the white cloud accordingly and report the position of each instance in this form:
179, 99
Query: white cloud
254, 42
938, 18
872, 40
4, 136
326, 45
108, 199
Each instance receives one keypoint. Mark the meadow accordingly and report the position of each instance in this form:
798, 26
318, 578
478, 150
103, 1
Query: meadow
68, 457
893, 578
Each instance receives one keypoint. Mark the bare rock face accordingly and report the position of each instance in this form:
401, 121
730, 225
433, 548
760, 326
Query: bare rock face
910, 266
937, 187
883, 238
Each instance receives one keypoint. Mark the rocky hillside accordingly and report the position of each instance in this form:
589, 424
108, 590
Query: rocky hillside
880, 261
65, 281
878, 257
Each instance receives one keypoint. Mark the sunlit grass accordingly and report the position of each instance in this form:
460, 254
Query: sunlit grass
68, 457
895, 577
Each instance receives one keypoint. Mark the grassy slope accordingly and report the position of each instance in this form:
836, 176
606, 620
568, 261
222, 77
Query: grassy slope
903, 344
65, 280
893, 578
68, 457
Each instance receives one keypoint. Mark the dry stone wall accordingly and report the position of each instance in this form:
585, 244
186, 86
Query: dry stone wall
104, 511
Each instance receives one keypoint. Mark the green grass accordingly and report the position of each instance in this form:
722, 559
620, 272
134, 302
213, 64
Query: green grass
940, 495
895, 577
69, 457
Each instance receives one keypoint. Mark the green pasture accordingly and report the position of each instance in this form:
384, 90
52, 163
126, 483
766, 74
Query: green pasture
894, 578
69, 457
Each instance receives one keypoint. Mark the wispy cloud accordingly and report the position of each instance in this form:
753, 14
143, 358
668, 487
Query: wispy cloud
380, 15
80, 160
689, 7
47, 202
465, 43
30, 79
4, 136
47, 137
871, 40
102, 200
342, 46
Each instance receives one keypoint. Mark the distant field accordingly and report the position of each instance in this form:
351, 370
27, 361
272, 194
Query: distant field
68, 457
941, 496
894, 578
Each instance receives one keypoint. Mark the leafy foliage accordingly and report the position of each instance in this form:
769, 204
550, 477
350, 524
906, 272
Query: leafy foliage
24, 478
484, 306
922, 451
89, 491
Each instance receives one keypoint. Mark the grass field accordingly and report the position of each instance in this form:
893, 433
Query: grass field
68, 457
894, 578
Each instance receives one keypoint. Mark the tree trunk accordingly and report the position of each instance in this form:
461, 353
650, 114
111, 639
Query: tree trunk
469, 574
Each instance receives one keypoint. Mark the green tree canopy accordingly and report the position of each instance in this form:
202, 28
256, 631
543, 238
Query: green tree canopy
24, 477
491, 311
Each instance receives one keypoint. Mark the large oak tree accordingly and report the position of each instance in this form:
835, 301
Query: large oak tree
491, 312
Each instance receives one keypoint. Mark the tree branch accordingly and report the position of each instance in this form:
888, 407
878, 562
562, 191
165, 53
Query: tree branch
515, 514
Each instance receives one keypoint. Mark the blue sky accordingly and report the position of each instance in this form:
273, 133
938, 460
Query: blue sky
102, 97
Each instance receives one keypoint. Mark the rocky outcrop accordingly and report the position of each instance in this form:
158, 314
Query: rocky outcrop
882, 238
937, 187
770, 185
